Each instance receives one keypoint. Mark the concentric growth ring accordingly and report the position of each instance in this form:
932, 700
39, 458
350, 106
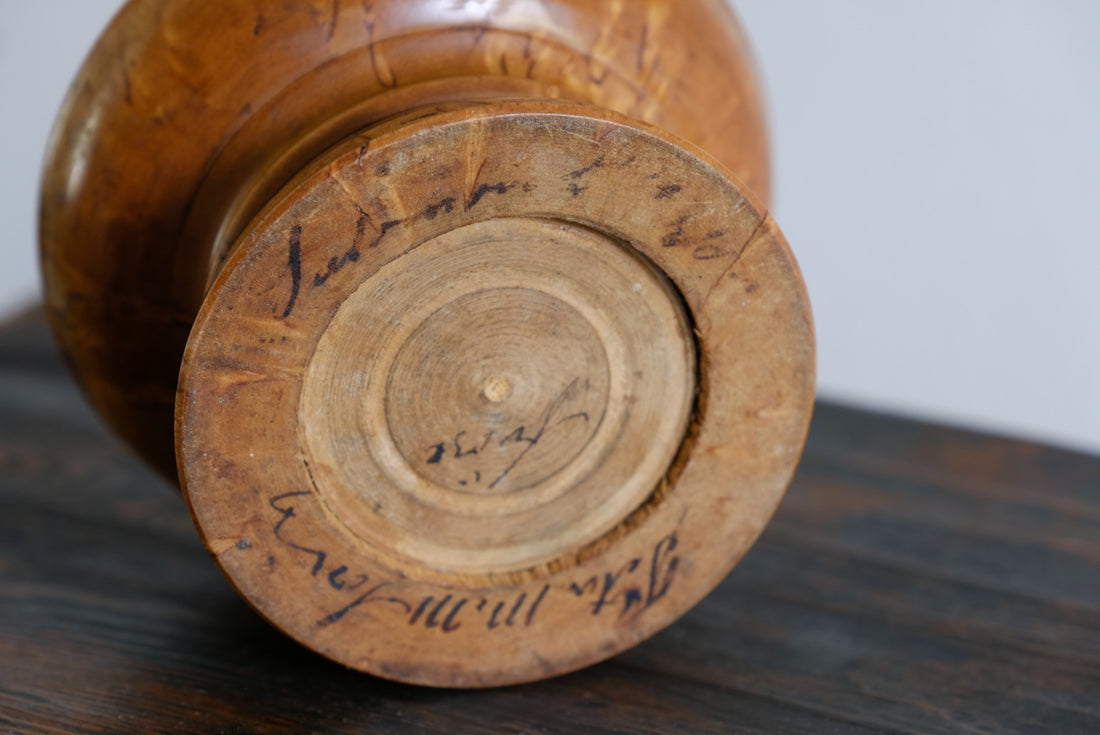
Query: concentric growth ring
523, 386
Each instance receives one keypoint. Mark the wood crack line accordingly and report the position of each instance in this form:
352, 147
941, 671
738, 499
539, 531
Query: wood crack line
767, 216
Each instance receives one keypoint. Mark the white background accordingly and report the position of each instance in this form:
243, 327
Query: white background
937, 168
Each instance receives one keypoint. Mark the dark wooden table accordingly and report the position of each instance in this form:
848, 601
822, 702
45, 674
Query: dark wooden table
917, 578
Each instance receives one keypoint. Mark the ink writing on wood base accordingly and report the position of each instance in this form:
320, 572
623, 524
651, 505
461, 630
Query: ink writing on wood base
467, 333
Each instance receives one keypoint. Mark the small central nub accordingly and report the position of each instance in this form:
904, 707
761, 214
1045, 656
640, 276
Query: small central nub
497, 389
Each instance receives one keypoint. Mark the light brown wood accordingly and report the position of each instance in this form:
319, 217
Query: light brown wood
518, 411
481, 385
188, 116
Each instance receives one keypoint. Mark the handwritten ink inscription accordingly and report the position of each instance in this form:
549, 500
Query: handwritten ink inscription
354, 252
335, 263
339, 577
360, 590
444, 612
637, 585
633, 587
525, 436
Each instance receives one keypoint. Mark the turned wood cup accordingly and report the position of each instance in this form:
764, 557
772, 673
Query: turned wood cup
463, 324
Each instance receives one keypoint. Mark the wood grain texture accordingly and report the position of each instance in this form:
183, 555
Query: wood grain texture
917, 579
655, 330
392, 228
189, 116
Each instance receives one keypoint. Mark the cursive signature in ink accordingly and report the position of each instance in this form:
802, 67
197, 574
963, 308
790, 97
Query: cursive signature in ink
633, 586
522, 435
338, 575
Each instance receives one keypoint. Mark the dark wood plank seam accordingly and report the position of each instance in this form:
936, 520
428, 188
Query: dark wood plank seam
948, 633
791, 531
953, 482
787, 703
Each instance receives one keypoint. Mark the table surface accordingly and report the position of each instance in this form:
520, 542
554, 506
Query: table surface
916, 579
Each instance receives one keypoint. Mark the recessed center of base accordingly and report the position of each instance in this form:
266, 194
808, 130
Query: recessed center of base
458, 356
517, 396
498, 389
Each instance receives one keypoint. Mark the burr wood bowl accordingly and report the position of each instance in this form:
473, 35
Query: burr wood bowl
483, 357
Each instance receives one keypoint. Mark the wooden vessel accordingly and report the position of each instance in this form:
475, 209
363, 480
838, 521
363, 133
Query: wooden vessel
484, 358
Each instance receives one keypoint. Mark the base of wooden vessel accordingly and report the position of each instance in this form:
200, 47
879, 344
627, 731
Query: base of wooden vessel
490, 393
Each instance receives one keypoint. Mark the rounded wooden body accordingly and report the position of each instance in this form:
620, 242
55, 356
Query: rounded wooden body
484, 359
